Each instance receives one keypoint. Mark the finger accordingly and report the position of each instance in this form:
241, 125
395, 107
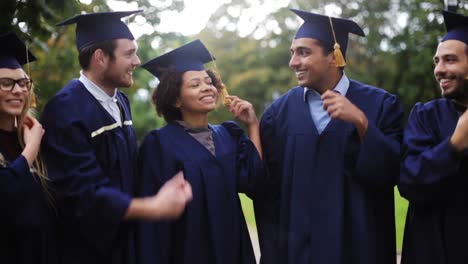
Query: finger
329, 95
187, 188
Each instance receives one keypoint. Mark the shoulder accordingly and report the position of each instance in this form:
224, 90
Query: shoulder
370, 90
232, 128
282, 102
434, 107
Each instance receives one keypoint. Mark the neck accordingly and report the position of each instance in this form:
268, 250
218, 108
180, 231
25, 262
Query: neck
97, 79
196, 121
330, 82
7, 123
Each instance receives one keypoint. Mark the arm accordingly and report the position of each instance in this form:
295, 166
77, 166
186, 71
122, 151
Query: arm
244, 111
428, 167
378, 152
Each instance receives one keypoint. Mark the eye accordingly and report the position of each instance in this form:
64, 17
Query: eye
6, 81
23, 82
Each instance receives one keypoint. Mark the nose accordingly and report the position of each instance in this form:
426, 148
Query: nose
17, 88
439, 69
293, 62
137, 60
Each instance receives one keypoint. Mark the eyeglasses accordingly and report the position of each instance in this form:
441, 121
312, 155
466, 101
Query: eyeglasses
8, 84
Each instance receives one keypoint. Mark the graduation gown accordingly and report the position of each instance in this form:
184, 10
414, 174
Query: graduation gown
91, 161
26, 216
212, 228
434, 178
331, 195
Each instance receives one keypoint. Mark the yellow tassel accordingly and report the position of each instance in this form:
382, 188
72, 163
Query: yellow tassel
33, 101
339, 59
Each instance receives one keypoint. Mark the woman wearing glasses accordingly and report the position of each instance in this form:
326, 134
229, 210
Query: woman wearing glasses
25, 208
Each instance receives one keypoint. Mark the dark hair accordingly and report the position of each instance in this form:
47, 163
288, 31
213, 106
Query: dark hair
327, 48
85, 54
168, 91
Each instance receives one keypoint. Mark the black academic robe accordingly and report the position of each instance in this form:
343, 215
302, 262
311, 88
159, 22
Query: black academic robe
212, 228
26, 216
331, 195
434, 178
91, 162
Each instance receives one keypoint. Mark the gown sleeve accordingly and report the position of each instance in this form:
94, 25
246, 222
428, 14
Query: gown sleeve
85, 196
13, 179
267, 201
379, 154
249, 165
428, 166
154, 238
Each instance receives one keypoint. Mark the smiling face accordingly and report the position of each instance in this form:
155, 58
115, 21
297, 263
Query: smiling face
311, 65
198, 95
12, 102
451, 69
119, 71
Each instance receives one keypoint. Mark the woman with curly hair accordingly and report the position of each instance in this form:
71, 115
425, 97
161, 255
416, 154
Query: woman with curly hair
219, 161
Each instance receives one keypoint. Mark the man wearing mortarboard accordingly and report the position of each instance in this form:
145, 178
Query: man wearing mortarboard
434, 164
91, 149
332, 147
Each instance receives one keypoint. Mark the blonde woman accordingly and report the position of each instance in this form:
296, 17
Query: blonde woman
25, 221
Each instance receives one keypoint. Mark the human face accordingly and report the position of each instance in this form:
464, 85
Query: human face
451, 69
311, 66
197, 94
12, 102
119, 71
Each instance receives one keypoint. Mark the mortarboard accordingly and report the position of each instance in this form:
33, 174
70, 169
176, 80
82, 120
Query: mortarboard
95, 27
457, 27
329, 30
189, 57
13, 52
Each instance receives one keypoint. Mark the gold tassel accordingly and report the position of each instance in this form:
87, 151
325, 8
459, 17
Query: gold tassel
339, 59
33, 101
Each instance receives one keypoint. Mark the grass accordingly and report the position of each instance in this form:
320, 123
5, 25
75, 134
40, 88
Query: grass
401, 206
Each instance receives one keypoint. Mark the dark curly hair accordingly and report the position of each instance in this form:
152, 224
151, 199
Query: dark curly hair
168, 91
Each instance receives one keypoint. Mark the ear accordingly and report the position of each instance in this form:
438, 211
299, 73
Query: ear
100, 57
177, 104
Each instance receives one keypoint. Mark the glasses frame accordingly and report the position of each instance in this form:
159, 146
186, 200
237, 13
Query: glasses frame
28, 86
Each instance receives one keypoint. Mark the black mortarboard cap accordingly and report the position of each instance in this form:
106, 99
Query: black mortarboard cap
13, 52
95, 27
189, 57
457, 27
320, 27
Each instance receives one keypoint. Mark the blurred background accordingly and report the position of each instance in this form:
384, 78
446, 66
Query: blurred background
250, 39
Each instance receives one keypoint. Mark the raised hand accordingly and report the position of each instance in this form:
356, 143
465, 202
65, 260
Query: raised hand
32, 136
242, 110
339, 107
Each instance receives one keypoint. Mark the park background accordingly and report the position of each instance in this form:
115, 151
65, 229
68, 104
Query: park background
251, 40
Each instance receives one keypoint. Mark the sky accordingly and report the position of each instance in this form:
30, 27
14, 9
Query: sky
195, 15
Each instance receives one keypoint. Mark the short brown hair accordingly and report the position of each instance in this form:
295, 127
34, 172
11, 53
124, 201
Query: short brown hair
85, 54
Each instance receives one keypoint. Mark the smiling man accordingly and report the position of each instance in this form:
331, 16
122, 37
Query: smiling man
332, 147
91, 149
434, 168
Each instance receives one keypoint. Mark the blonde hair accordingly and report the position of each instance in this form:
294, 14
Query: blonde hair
38, 167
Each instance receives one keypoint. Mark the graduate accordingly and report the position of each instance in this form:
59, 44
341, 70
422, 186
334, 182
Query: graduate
91, 149
434, 166
26, 213
332, 148
219, 161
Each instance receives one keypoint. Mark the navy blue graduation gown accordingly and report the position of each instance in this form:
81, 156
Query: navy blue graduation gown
26, 216
91, 161
213, 228
434, 178
331, 195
